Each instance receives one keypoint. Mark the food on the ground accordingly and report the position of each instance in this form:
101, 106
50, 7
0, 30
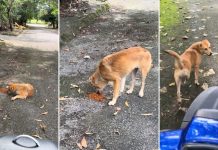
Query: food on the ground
96, 96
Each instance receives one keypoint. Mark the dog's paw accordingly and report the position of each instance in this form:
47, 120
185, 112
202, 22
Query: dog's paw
141, 94
179, 100
129, 91
13, 98
111, 103
196, 82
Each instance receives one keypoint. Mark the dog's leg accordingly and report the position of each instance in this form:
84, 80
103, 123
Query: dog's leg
196, 74
144, 72
116, 92
19, 97
133, 82
178, 85
123, 82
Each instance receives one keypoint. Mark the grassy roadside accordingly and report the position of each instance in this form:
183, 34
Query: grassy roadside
169, 16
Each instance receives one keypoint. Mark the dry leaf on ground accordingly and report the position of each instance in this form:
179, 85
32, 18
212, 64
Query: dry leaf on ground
79, 145
185, 37
147, 114
98, 146
84, 142
38, 120
73, 86
163, 90
42, 106
44, 113
204, 86
209, 72
126, 104
86, 57
172, 84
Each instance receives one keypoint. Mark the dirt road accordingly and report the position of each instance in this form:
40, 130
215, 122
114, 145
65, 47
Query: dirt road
129, 130
30, 57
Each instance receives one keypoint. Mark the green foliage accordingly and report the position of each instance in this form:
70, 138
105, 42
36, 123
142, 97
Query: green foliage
20, 11
169, 15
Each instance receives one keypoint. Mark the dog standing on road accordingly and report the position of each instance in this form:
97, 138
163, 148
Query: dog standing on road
115, 67
184, 63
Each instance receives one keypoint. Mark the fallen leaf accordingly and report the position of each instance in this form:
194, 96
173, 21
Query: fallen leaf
185, 37
205, 35
172, 84
79, 145
79, 90
74, 86
165, 34
188, 17
163, 90
64, 98
98, 146
201, 71
115, 113
204, 86
38, 120
185, 99
89, 133
83, 142
44, 113
209, 72
42, 106
147, 114
86, 57
126, 104
36, 136
42, 126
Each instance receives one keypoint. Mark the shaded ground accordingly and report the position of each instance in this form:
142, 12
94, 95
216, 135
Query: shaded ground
38, 67
197, 20
128, 130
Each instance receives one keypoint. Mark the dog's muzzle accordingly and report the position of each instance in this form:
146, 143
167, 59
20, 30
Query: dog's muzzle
210, 54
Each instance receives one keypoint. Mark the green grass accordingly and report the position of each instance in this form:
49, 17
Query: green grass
34, 21
169, 13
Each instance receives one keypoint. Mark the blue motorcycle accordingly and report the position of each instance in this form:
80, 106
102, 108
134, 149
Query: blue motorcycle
199, 129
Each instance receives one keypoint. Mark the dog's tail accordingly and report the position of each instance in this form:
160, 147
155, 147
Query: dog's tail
176, 56
4, 90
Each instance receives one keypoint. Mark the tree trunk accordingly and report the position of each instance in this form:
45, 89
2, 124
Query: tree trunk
9, 19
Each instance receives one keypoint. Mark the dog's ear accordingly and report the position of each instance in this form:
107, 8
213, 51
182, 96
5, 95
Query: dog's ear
200, 45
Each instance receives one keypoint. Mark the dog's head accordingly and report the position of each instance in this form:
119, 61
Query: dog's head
205, 48
97, 81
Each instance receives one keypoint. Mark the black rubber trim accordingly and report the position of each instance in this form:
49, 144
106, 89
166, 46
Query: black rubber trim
200, 146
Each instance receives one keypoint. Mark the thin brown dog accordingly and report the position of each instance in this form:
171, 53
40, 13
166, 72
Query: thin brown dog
115, 67
20, 90
184, 63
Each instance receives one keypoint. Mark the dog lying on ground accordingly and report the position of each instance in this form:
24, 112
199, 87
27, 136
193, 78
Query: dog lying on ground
115, 67
184, 63
20, 90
